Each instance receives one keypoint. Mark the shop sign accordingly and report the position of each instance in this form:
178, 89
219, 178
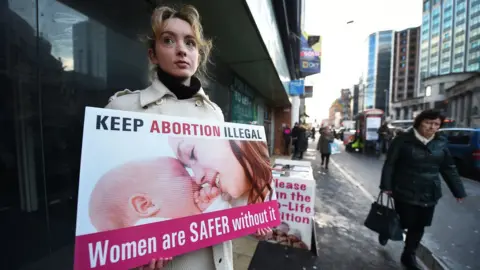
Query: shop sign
308, 91
296, 88
137, 198
310, 54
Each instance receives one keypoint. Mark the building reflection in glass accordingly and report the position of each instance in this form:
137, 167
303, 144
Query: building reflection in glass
50, 69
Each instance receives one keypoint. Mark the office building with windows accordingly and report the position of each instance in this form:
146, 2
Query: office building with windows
404, 70
378, 74
450, 38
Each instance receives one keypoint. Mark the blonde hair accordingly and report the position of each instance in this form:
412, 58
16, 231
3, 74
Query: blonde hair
189, 14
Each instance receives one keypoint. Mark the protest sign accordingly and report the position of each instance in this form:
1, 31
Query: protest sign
295, 187
154, 186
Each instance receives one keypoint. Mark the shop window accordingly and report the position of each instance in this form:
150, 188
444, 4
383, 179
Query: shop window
80, 54
23, 222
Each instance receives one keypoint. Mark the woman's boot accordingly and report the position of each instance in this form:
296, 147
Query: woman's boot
409, 256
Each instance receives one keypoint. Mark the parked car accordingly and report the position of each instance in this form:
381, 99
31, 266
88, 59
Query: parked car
464, 145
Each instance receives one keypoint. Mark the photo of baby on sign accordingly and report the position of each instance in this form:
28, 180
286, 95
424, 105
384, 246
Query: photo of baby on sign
159, 178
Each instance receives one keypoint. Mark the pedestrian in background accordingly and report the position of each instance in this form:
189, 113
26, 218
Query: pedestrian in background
301, 144
313, 133
411, 175
287, 137
295, 131
323, 145
384, 137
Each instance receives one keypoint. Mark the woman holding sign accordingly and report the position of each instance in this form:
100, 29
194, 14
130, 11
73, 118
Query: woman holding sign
179, 54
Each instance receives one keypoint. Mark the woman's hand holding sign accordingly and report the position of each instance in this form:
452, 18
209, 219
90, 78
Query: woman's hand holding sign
155, 264
264, 232
205, 196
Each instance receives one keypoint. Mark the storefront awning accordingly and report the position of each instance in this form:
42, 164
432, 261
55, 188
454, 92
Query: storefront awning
237, 41
239, 44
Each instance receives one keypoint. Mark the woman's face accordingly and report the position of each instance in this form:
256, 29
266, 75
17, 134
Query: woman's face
429, 127
176, 50
213, 162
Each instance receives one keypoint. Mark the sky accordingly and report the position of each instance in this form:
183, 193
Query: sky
343, 44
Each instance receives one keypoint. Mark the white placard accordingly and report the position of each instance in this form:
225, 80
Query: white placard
372, 126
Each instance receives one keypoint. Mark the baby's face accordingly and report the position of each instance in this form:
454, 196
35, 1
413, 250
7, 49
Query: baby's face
172, 189
136, 190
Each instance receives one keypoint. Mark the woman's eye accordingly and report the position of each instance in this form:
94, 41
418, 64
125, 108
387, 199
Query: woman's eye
168, 41
192, 154
191, 43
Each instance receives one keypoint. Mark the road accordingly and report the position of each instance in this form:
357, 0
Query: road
455, 234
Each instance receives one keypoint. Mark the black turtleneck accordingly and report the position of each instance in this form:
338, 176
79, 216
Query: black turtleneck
176, 86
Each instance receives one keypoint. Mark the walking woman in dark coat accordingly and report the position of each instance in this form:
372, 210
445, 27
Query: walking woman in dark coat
411, 175
323, 146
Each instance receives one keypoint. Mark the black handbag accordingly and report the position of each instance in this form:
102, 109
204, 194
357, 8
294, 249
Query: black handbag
384, 220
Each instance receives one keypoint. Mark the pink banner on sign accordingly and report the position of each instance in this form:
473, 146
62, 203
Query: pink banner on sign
135, 246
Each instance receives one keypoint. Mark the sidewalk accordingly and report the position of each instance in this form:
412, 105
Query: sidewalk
244, 248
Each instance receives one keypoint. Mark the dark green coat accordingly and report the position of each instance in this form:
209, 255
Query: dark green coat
412, 170
323, 144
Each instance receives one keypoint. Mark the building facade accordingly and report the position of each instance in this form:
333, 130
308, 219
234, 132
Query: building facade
378, 73
434, 98
57, 57
346, 101
405, 79
463, 101
405, 64
340, 109
355, 98
450, 38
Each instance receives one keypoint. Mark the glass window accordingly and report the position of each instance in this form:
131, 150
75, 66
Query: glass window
83, 62
459, 137
441, 88
59, 60
474, 67
426, 6
23, 219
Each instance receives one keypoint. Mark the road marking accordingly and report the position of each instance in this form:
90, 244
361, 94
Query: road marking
352, 180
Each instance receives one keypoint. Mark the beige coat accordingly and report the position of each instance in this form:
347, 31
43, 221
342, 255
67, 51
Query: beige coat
157, 99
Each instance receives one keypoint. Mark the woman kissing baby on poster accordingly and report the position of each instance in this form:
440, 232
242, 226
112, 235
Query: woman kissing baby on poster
226, 174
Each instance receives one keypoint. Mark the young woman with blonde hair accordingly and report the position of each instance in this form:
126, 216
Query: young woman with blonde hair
178, 52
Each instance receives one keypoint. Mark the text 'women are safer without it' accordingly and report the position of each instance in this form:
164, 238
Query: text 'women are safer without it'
102, 252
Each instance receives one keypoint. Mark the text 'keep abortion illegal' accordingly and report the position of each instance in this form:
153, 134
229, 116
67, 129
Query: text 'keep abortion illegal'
129, 124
